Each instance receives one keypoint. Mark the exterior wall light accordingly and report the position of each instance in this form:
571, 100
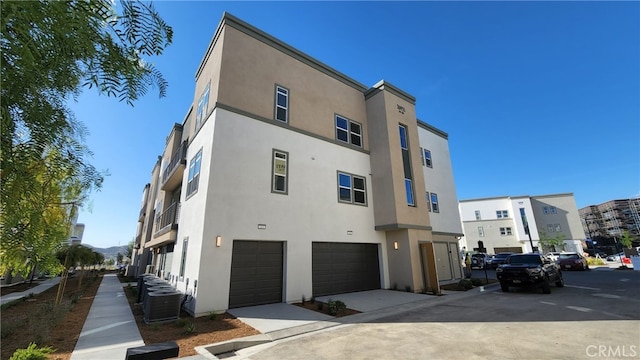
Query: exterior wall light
395, 245
218, 241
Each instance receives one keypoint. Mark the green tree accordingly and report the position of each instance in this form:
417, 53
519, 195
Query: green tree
551, 243
626, 240
50, 50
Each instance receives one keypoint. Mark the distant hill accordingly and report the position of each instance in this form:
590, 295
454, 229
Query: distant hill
110, 252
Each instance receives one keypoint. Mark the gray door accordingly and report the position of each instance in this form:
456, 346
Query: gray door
344, 267
443, 261
256, 273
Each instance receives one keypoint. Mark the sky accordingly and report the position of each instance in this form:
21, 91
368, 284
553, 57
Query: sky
537, 97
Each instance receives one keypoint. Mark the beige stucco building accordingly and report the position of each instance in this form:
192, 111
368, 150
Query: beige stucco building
288, 179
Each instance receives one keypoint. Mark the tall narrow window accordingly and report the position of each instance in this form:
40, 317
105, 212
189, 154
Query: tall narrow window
348, 131
203, 105
477, 212
183, 259
282, 104
422, 157
280, 172
480, 231
406, 162
434, 203
427, 158
352, 189
194, 173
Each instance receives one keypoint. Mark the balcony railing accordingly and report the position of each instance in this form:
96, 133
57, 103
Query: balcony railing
168, 220
178, 161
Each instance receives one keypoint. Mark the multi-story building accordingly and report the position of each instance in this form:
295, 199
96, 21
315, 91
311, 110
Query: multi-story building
612, 218
288, 179
517, 223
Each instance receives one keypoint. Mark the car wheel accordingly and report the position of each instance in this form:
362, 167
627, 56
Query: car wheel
504, 287
545, 286
560, 281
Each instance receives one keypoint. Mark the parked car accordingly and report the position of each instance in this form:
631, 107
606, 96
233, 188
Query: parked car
479, 260
553, 255
572, 261
596, 253
499, 259
529, 270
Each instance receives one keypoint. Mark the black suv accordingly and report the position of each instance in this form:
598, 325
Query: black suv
529, 269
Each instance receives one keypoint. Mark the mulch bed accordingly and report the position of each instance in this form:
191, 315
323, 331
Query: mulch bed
324, 308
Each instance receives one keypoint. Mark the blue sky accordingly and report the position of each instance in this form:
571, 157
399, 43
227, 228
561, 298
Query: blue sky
537, 97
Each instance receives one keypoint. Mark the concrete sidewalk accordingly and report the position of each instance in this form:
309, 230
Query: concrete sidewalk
110, 328
40, 288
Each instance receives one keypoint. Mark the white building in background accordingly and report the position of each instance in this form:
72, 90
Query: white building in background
501, 222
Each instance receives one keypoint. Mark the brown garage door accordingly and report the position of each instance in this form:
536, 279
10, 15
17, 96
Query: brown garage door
344, 267
256, 273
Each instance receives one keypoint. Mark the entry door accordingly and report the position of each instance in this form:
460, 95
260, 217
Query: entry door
256, 273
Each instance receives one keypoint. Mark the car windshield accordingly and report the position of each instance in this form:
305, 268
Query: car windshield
525, 259
502, 255
568, 256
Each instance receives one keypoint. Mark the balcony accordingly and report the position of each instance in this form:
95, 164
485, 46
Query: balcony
143, 212
172, 174
166, 226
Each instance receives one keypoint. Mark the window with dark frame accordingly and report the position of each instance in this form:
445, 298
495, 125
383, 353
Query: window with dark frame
348, 131
282, 104
352, 189
406, 163
203, 105
434, 203
279, 180
183, 259
427, 158
194, 173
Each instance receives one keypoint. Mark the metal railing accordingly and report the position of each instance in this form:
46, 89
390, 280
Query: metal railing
179, 157
168, 218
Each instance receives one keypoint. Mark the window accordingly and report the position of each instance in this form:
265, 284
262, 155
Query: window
480, 231
505, 231
545, 210
550, 228
558, 228
428, 202
183, 259
352, 189
427, 158
348, 131
406, 163
282, 104
408, 188
280, 171
194, 173
203, 105
478, 215
502, 214
553, 210
434, 203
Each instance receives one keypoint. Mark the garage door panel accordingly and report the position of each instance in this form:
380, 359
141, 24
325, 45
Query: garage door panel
344, 267
256, 273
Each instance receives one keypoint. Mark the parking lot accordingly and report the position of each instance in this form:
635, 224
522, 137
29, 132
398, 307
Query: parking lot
596, 314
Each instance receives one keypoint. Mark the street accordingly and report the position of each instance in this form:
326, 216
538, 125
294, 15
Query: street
596, 315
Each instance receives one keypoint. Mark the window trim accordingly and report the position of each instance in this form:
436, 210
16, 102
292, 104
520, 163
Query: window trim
286, 93
502, 214
352, 188
435, 205
506, 231
203, 107
273, 172
349, 130
477, 214
480, 231
427, 161
195, 177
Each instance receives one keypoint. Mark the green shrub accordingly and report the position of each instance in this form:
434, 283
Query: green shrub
212, 316
190, 328
180, 323
32, 352
595, 261
320, 305
476, 282
335, 306
465, 284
